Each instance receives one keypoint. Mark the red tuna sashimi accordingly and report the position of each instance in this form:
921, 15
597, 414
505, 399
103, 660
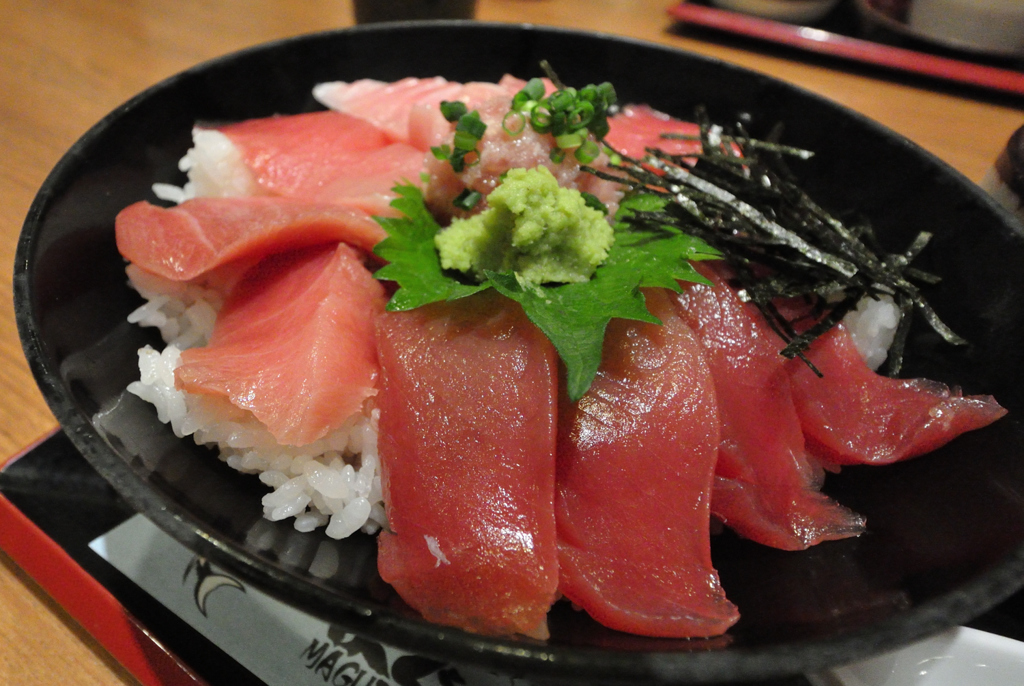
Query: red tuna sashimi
325, 157
766, 486
199, 235
854, 416
467, 447
408, 110
638, 127
636, 459
294, 343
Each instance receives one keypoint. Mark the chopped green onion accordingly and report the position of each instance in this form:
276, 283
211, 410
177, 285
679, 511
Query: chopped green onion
588, 152
471, 123
561, 100
467, 199
513, 123
465, 141
469, 129
461, 158
540, 119
534, 88
583, 114
441, 152
568, 141
572, 116
453, 111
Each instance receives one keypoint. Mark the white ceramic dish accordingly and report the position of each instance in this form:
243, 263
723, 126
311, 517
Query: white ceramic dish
958, 657
793, 11
991, 27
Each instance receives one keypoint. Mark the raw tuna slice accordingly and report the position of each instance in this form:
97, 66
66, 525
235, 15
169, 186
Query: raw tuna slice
383, 104
294, 343
189, 240
325, 157
766, 486
514, 84
854, 416
638, 127
408, 110
467, 447
636, 459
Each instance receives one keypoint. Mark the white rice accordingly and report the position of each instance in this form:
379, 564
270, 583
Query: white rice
215, 169
333, 482
872, 325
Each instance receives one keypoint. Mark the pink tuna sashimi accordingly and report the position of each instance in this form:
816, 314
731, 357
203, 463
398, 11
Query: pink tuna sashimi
187, 241
325, 157
310, 135
514, 84
852, 415
767, 486
636, 459
294, 343
637, 127
428, 127
408, 110
364, 180
467, 447
383, 104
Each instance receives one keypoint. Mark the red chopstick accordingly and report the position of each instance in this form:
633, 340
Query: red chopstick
837, 45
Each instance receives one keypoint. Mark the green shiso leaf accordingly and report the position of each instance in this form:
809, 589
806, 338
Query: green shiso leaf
412, 259
573, 316
661, 256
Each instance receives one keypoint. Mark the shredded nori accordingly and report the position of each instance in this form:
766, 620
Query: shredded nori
742, 199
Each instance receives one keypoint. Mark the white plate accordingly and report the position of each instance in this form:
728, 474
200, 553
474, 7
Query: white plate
985, 27
958, 657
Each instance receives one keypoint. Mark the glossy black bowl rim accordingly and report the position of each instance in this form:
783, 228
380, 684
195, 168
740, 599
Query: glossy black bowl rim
576, 664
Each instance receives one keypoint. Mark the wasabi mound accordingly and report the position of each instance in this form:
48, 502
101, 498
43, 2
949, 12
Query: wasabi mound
542, 232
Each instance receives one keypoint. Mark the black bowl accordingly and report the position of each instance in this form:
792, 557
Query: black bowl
945, 531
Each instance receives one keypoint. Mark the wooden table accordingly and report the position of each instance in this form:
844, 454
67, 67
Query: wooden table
63, 65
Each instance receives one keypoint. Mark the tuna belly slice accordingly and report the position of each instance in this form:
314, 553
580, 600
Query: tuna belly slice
185, 242
852, 415
767, 486
467, 448
365, 179
636, 457
325, 157
294, 343
408, 109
